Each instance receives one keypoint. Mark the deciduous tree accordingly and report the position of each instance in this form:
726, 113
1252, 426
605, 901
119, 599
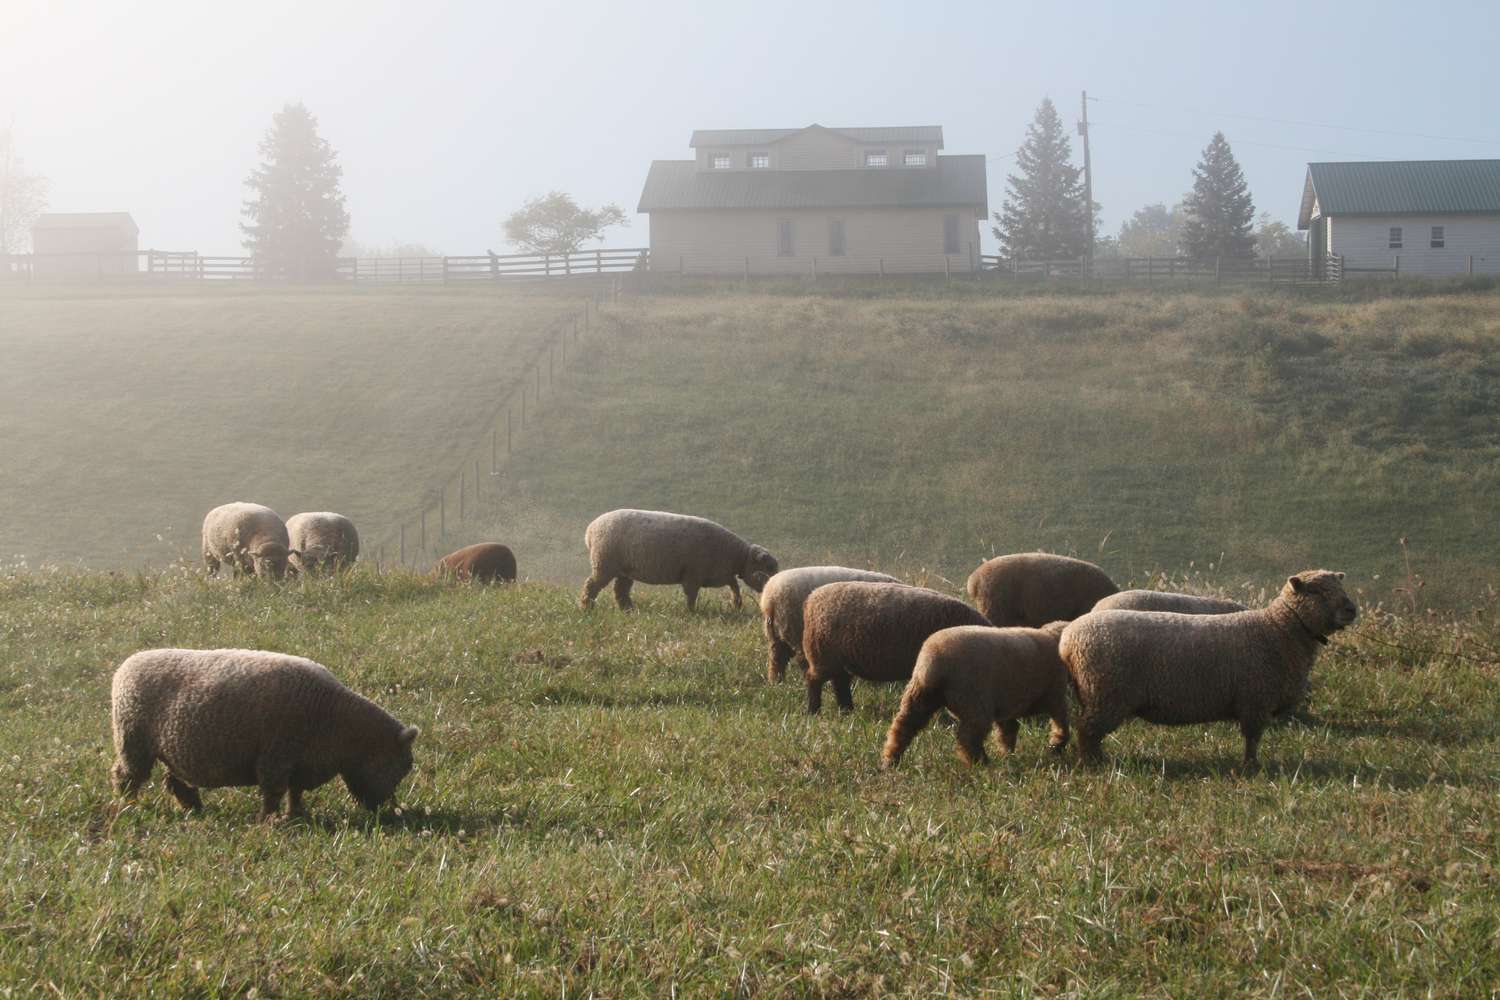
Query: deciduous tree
554, 223
23, 195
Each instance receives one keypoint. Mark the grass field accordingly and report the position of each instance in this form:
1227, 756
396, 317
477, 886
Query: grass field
612, 805
126, 414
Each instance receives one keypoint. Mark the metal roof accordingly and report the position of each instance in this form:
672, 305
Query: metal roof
766, 136
1400, 187
85, 220
956, 180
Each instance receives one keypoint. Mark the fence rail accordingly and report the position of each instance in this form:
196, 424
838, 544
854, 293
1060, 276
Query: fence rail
1147, 269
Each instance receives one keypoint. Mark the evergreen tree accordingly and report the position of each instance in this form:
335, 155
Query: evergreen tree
297, 218
1220, 214
1044, 215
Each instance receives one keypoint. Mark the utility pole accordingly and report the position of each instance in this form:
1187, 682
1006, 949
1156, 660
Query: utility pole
1088, 182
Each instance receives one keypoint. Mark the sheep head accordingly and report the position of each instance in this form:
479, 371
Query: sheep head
759, 567
374, 779
1318, 599
270, 560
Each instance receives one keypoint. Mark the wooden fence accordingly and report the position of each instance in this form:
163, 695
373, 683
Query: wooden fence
1149, 269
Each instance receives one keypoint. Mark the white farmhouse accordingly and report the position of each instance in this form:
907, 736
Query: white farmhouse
1413, 216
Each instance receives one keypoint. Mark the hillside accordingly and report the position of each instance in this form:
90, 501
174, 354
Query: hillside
127, 413
1233, 436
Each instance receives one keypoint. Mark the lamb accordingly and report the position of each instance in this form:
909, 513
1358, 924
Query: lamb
652, 546
871, 630
322, 540
249, 537
1160, 600
1035, 588
486, 562
985, 677
781, 608
238, 717
1175, 669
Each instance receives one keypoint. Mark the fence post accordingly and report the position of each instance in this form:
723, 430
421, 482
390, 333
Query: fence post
461, 491
747, 269
947, 269
1148, 269
598, 261
494, 452
445, 270
1396, 266
507, 432
1270, 268
550, 372
422, 531
972, 268
403, 544
523, 404
1218, 264
882, 267
679, 265
476, 482
539, 387
443, 511
815, 268
1471, 263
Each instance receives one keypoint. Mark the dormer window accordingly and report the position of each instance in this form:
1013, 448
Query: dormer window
719, 161
914, 158
877, 158
760, 161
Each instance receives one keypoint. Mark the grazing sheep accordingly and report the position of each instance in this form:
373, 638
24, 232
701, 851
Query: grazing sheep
248, 537
781, 608
486, 562
1160, 600
237, 717
652, 546
322, 540
1175, 669
985, 677
1034, 588
871, 630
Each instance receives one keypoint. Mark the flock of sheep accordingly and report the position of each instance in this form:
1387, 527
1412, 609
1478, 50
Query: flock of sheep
1043, 631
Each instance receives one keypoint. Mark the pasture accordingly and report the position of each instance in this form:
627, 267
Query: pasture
615, 805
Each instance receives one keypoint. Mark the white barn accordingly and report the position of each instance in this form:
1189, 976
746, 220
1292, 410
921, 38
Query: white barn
1414, 216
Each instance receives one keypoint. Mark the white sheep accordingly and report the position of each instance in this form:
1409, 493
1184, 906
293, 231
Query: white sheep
653, 546
322, 540
781, 608
248, 537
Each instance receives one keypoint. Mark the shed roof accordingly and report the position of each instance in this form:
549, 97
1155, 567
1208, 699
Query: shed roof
766, 136
956, 180
85, 220
1400, 187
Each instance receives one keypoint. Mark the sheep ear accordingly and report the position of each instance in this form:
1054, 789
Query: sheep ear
409, 735
1296, 583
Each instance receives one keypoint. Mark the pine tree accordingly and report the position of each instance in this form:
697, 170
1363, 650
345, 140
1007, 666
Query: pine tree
1220, 214
1044, 215
297, 218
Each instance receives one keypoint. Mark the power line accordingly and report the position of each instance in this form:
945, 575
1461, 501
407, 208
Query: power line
1305, 124
1243, 142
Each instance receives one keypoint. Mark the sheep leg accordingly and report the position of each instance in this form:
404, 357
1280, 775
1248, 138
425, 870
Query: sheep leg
591, 588
842, 690
780, 655
131, 770
1057, 710
1008, 729
210, 562
1091, 732
971, 734
690, 591
917, 707
274, 779
734, 589
184, 793
814, 693
1251, 730
622, 592
294, 802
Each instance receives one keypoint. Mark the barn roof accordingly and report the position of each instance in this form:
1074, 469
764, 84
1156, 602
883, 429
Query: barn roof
85, 220
766, 136
1400, 187
956, 180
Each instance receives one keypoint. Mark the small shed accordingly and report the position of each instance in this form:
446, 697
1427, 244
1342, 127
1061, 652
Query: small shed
84, 244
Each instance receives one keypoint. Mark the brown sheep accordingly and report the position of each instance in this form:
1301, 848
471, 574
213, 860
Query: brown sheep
1176, 669
653, 546
871, 631
1161, 600
486, 562
1034, 588
986, 677
236, 717
781, 608
248, 537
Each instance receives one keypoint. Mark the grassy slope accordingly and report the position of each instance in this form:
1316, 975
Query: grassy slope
640, 811
126, 414
1260, 432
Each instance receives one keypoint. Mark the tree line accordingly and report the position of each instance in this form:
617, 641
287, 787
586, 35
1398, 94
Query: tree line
1044, 216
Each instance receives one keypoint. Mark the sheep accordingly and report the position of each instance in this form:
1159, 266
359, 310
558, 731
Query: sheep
872, 631
322, 540
985, 677
248, 537
1035, 588
781, 608
652, 546
486, 562
239, 717
1160, 600
1176, 669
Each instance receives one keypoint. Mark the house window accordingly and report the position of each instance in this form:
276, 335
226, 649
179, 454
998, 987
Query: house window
836, 245
1437, 238
785, 245
950, 234
876, 158
914, 158
760, 161
719, 161
1395, 240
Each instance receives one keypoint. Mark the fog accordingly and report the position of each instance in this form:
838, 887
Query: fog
446, 117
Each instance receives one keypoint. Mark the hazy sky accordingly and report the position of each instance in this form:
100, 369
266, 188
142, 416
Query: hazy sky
447, 115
